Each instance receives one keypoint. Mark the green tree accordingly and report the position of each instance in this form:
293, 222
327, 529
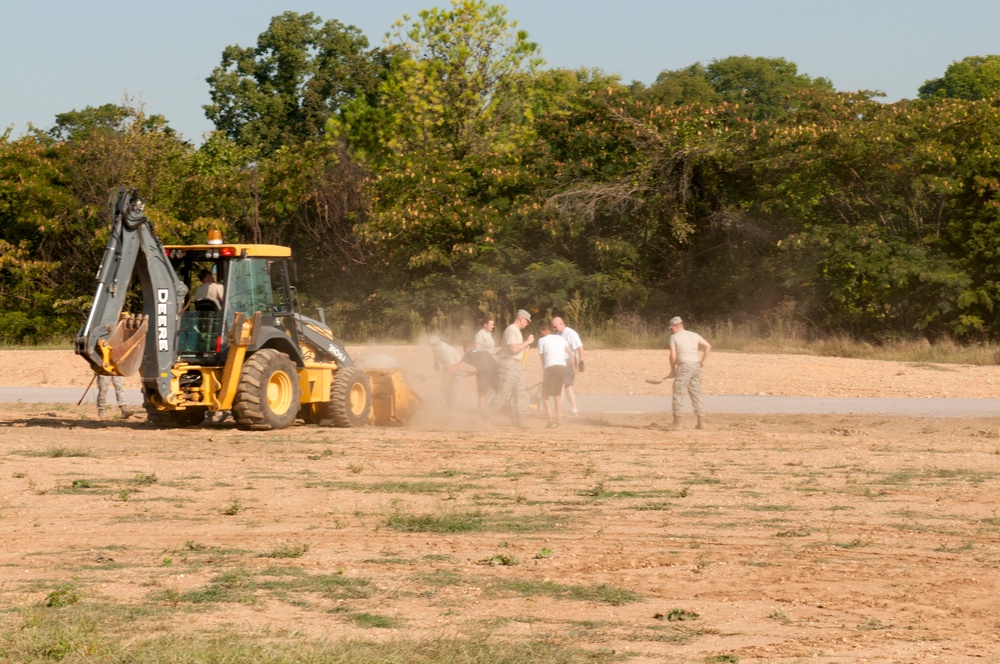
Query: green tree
974, 77
300, 73
872, 186
108, 118
767, 85
444, 144
53, 208
681, 86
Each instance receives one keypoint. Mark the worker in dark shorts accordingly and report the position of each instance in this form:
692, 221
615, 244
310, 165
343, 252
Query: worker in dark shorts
556, 355
485, 366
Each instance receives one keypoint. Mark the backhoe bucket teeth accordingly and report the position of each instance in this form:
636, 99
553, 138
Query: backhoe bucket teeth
126, 345
393, 402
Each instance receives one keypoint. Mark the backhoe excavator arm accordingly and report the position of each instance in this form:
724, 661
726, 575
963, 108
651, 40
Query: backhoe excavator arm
115, 344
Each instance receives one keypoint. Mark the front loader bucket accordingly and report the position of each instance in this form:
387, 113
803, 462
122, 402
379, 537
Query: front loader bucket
393, 402
124, 349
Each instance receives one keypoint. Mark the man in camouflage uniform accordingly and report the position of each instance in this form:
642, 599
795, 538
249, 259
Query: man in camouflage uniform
510, 387
103, 409
686, 365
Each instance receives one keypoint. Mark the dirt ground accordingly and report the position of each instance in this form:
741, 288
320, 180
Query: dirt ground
760, 539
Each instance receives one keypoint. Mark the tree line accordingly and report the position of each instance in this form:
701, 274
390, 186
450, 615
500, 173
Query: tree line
448, 175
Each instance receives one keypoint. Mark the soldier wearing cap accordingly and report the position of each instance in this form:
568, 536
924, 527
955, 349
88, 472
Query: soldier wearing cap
685, 366
510, 387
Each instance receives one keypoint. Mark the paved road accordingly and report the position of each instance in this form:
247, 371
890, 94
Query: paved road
760, 405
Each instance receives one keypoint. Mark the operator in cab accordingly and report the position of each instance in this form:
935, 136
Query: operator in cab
209, 295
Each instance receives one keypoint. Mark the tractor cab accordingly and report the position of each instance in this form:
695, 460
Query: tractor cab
226, 279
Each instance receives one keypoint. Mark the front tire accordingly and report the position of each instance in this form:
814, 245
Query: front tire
350, 400
268, 393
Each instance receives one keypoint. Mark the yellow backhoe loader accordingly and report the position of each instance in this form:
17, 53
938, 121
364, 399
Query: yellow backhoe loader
247, 349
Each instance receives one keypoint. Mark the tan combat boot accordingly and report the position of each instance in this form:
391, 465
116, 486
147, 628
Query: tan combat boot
676, 424
701, 422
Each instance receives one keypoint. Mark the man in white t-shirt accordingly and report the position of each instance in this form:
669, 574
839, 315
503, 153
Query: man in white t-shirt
555, 354
686, 365
576, 364
510, 384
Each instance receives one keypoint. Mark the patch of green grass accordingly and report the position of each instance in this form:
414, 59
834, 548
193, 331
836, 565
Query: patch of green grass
233, 507
727, 658
84, 486
374, 620
697, 478
54, 453
331, 586
601, 492
237, 586
855, 543
501, 559
465, 522
677, 615
770, 508
392, 487
144, 479
872, 624
64, 595
119, 633
240, 586
795, 532
656, 506
455, 522
286, 551
909, 475
602, 593
389, 560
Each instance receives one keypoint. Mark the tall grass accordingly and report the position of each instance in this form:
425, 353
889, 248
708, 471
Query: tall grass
113, 634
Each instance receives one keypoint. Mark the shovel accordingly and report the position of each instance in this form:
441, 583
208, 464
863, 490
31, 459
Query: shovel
653, 381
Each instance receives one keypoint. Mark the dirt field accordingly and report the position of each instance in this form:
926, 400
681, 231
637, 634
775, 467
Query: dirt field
761, 539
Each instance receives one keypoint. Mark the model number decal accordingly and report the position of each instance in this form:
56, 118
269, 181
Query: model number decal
337, 353
162, 340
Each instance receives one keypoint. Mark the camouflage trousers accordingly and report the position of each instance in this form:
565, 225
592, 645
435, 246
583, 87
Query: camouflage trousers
510, 389
688, 379
103, 384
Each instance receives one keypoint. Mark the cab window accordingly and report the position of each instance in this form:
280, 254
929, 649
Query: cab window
248, 287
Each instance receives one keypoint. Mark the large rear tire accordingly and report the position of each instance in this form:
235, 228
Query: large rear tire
350, 400
268, 393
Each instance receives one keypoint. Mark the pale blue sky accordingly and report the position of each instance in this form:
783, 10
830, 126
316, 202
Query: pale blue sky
61, 55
